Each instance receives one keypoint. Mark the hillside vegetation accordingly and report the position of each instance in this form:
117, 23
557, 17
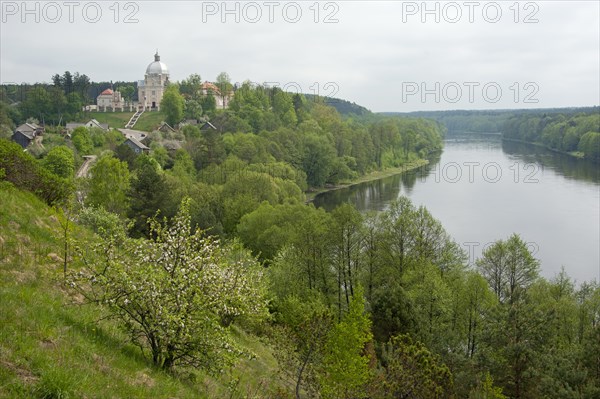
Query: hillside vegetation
52, 346
273, 298
117, 120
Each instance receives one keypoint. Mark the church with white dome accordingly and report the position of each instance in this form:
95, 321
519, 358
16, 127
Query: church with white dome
152, 88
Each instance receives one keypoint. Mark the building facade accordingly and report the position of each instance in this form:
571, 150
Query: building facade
152, 88
110, 99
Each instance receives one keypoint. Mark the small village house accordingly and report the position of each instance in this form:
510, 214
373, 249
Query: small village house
26, 133
89, 124
136, 145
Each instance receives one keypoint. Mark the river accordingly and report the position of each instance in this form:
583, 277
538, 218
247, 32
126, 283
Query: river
483, 189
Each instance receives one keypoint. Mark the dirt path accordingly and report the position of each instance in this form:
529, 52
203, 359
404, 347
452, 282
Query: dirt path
84, 169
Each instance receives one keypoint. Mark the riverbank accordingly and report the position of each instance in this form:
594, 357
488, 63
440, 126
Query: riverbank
574, 154
376, 175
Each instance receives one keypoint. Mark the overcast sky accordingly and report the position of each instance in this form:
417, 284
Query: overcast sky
384, 55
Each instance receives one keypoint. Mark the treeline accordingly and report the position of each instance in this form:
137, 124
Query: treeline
265, 125
487, 121
466, 121
567, 132
343, 107
334, 148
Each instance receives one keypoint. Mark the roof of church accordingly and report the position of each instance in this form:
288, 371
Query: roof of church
157, 67
107, 91
211, 86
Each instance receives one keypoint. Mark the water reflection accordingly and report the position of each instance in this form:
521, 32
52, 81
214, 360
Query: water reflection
376, 195
562, 164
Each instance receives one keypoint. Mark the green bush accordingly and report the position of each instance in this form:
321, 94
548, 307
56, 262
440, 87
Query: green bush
82, 140
60, 161
22, 170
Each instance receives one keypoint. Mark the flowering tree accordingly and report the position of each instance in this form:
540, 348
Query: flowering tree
175, 294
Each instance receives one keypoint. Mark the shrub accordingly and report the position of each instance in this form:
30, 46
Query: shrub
22, 170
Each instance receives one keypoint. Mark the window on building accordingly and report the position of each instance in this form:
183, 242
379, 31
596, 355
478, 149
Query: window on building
153, 92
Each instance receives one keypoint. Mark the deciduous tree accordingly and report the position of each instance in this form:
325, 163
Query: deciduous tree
82, 140
345, 369
173, 105
109, 184
171, 293
60, 161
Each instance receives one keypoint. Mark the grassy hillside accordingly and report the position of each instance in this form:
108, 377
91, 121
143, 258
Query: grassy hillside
114, 119
147, 122
51, 345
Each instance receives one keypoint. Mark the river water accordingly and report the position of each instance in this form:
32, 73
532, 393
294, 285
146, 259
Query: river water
483, 189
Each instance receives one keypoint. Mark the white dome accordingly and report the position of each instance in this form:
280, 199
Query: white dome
157, 67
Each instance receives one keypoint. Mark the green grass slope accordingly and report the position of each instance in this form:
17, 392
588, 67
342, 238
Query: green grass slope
148, 122
51, 345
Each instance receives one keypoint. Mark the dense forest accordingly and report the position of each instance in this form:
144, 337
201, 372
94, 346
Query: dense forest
487, 121
465, 121
569, 130
209, 233
566, 132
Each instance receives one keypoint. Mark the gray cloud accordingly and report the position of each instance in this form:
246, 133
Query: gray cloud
370, 53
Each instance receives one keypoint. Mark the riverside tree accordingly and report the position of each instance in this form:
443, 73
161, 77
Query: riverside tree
518, 324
